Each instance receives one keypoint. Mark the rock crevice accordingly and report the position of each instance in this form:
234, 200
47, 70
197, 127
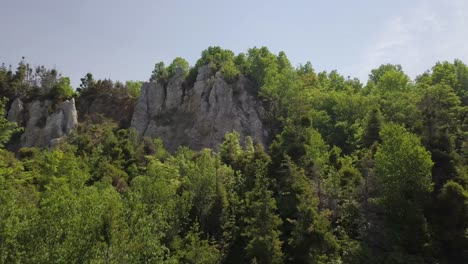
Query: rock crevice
201, 115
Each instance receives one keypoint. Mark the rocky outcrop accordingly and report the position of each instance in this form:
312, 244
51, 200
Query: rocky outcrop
199, 116
16, 112
45, 123
196, 115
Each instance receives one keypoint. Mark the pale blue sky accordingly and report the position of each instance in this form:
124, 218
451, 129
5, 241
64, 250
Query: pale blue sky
122, 40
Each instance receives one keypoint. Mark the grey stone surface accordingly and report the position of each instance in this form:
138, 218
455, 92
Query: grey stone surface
46, 126
15, 114
70, 115
200, 115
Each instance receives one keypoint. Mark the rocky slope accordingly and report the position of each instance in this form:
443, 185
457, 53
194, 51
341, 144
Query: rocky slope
45, 123
199, 116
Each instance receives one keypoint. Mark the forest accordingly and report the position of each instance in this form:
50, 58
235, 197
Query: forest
373, 172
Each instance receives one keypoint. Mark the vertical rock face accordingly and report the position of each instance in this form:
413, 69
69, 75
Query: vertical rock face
201, 115
70, 115
16, 112
44, 126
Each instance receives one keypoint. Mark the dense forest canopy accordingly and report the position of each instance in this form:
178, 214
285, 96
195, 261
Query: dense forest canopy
358, 173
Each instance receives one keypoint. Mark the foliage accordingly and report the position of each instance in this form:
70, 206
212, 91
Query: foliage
178, 64
31, 82
403, 170
134, 88
86, 82
262, 222
354, 173
217, 59
159, 73
7, 129
62, 90
163, 74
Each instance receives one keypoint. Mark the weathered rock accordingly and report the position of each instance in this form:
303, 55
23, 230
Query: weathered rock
45, 126
70, 115
175, 95
15, 114
201, 115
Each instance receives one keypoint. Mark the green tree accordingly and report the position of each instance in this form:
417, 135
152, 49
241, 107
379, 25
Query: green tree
159, 74
461, 70
219, 60
403, 168
62, 90
396, 95
193, 250
18, 210
230, 71
372, 128
216, 56
441, 110
7, 129
262, 222
19, 84
178, 64
308, 231
377, 74
261, 62
134, 88
445, 73
308, 75
230, 149
450, 222
86, 83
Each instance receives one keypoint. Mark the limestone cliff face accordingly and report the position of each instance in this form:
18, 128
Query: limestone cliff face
15, 114
44, 123
201, 115
196, 116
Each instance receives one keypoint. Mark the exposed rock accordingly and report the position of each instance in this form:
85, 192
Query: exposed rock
45, 126
201, 115
175, 95
196, 116
70, 115
15, 114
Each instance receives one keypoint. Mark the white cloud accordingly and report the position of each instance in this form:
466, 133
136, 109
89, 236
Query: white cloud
423, 34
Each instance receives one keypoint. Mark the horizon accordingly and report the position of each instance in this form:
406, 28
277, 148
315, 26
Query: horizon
126, 42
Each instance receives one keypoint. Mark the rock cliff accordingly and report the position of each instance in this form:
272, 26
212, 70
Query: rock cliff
199, 116
44, 123
196, 115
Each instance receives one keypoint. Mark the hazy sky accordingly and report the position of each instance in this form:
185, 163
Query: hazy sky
122, 40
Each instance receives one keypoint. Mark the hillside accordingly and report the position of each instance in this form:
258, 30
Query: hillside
240, 158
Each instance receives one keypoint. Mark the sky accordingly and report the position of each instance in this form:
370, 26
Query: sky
122, 40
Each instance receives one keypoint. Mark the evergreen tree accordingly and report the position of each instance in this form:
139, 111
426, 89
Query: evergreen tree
262, 222
403, 168
372, 128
